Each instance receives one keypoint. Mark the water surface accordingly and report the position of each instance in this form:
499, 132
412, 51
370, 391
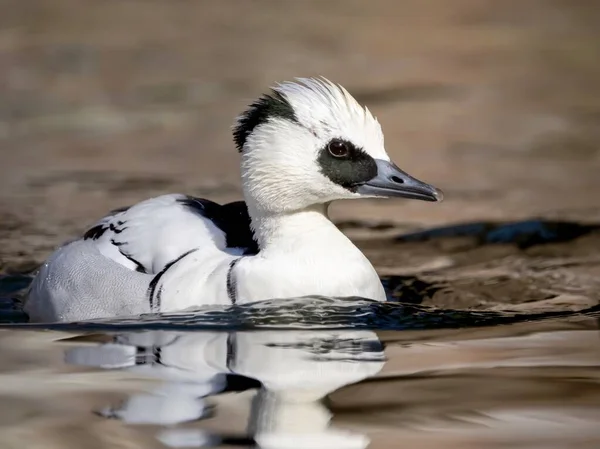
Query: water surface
309, 373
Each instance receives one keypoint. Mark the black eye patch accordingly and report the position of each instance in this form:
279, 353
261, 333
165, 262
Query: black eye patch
348, 168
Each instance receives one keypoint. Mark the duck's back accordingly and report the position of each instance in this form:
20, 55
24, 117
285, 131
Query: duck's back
115, 268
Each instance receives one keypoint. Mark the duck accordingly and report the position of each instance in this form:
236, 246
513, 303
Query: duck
303, 145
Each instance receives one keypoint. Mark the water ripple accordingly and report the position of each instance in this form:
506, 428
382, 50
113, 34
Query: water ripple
313, 313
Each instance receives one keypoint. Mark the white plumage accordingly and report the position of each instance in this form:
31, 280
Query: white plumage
303, 146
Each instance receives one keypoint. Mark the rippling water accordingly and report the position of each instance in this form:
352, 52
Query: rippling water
304, 373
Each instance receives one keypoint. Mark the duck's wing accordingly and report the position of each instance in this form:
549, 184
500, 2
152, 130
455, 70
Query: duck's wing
151, 234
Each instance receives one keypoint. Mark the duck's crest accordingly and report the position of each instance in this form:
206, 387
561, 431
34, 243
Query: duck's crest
303, 101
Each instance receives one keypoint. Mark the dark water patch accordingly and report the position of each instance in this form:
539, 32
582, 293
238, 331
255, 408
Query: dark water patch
403, 311
14, 284
310, 313
524, 234
408, 289
12, 288
10, 311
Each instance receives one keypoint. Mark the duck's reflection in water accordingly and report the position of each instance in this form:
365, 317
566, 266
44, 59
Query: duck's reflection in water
296, 369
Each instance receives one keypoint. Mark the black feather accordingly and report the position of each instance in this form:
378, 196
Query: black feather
259, 112
95, 233
231, 218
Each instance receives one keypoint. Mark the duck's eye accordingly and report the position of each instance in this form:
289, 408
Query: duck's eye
337, 148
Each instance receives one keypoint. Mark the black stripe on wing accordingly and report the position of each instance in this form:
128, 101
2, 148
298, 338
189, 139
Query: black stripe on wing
154, 296
95, 233
231, 218
98, 231
138, 266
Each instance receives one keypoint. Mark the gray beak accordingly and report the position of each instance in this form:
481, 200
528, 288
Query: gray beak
393, 182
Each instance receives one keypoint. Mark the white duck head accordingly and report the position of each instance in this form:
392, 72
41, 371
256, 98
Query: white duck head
308, 143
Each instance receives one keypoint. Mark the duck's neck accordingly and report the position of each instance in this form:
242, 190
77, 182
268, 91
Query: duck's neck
293, 231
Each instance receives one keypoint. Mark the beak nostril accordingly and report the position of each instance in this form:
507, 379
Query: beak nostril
397, 180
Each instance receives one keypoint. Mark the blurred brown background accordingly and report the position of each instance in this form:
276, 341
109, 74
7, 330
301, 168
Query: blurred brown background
107, 102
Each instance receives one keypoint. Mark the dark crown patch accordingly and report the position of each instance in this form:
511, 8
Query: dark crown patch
259, 112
